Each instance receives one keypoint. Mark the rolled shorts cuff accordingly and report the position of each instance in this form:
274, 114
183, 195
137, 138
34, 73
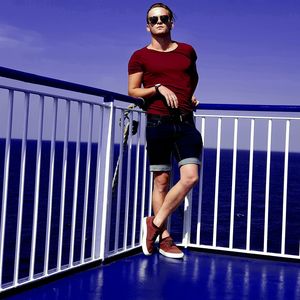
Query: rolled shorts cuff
190, 160
160, 168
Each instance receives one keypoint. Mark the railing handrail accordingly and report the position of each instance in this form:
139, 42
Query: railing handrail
75, 87
249, 107
65, 85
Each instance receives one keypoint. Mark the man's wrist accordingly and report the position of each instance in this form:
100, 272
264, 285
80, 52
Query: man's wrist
157, 87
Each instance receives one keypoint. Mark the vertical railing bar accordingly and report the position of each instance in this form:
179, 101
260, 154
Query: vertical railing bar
285, 185
187, 220
233, 184
107, 190
50, 185
87, 182
126, 217
120, 180
97, 188
63, 187
203, 122
136, 185
37, 188
186, 233
267, 185
150, 193
171, 184
5, 179
76, 185
250, 179
143, 188
21, 190
217, 182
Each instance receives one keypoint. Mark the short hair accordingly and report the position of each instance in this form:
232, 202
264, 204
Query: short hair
159, 4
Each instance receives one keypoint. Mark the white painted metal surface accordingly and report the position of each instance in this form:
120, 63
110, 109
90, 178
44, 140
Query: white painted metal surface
233, 182
5, 178
217, 179
21, 190
269, 123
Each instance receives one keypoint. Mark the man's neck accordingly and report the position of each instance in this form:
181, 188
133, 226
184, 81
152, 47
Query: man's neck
161, 43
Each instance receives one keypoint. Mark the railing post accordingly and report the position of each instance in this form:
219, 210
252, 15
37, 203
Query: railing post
285, 185
234, 164
21, 189
136, 184
108, 173
250, 180
63, 186
76, 186
128, 185
37, 188
199, 219
267, 193
143, 198
5, 180
187, 220
51, 185
98, 188
87, 183
217, 180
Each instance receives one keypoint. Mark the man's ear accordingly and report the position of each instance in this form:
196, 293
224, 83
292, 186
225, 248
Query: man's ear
148, 28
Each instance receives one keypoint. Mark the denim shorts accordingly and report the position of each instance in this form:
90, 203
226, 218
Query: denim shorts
167, 138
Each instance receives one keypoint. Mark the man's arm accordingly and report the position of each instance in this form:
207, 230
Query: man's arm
134, 87
135, 90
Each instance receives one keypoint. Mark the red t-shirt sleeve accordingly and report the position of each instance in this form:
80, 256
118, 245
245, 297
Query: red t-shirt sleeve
134, 64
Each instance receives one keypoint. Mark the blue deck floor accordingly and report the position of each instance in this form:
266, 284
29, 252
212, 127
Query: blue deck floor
197, 276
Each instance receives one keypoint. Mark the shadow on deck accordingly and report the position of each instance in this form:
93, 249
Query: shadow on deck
197, 276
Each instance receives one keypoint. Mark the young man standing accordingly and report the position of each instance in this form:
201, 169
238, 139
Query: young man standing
164, 74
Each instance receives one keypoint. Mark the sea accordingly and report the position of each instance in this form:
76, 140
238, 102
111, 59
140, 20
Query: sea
176, 222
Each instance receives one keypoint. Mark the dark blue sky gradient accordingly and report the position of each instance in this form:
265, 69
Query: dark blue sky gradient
248, 51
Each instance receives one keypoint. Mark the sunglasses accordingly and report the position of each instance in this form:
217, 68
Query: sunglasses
164, 19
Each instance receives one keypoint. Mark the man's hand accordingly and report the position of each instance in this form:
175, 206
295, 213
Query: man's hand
195, 102
170, 97
142, 103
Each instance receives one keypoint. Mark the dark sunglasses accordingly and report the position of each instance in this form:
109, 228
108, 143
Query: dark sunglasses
164, 19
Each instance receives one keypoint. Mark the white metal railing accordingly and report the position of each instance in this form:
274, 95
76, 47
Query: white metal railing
223, 132
61, 119
110, 217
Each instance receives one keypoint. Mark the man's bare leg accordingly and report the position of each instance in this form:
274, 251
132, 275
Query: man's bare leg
188, 178
160, 190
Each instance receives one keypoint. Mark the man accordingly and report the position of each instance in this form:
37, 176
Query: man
164, 74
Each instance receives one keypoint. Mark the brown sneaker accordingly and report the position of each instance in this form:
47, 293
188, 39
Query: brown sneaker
150, 233
168, 248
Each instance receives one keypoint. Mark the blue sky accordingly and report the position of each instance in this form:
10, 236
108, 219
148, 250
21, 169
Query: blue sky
248, 51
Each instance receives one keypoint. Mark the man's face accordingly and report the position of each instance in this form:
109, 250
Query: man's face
159, 21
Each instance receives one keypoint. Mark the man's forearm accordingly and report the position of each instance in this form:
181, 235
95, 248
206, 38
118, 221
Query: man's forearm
142, 92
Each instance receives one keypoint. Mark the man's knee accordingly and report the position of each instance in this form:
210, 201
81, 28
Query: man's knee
189, 176
161, 181
190, 180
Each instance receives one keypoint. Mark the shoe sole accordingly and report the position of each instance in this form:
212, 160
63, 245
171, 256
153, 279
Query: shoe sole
144, 237
171, 255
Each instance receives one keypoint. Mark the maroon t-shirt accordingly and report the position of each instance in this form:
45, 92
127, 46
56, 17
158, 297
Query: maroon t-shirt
175, 69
